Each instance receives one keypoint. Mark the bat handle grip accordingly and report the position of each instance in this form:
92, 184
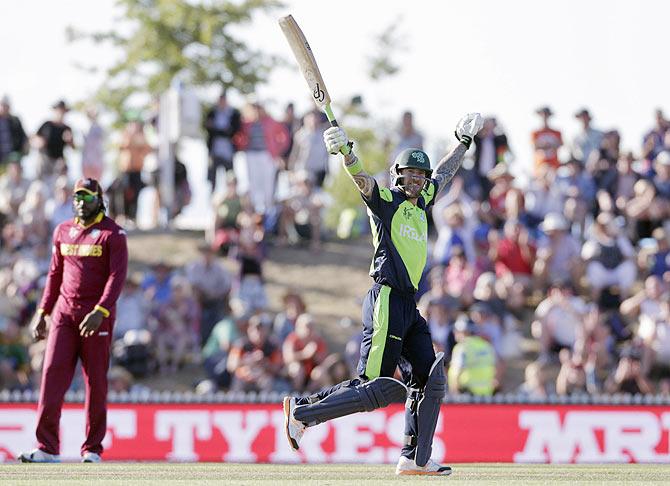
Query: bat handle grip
346, 150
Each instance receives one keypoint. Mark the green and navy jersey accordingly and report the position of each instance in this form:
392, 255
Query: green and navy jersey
400, 236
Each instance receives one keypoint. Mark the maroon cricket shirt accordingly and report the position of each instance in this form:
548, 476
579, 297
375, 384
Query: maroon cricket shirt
88, 267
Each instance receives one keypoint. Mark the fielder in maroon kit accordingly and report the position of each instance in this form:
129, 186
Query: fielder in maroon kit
87, 271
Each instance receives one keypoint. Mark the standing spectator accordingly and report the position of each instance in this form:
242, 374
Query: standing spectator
132, 152
261, 142
93, 151
51, 139
88, 269
491, 148
303, 350
308, 152
588, 140
211, 284
546, 141
292, 123
408, 136
221, 123
13, 140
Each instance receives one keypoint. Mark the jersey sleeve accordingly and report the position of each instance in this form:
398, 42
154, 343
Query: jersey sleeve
118, 267
54, 277
378, 198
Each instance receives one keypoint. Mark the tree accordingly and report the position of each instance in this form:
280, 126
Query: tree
160, 39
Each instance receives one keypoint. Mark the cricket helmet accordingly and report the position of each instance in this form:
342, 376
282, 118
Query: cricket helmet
410, 159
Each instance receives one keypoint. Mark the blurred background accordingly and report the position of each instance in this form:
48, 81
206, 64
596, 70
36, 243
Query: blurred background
249, 246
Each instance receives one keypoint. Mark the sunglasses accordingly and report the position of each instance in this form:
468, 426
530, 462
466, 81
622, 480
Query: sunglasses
87, 198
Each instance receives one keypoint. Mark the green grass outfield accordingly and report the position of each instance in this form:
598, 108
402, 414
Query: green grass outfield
340, 474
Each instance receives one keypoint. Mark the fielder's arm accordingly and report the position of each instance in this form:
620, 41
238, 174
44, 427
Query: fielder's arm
335, 139
466, 129
364, 181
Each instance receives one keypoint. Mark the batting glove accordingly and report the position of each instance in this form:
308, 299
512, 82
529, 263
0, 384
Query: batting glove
468, 127
335, 139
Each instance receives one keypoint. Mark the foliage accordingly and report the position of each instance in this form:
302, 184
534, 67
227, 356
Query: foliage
196, 40
388, 42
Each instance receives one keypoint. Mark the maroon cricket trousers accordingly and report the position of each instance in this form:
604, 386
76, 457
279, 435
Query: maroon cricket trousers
64, 347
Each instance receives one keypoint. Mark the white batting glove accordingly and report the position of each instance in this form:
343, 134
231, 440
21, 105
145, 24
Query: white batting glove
335, 138
468, 127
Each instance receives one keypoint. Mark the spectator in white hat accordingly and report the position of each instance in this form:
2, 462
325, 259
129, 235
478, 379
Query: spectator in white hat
557, 255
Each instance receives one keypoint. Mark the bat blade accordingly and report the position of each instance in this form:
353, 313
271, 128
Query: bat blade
306, 61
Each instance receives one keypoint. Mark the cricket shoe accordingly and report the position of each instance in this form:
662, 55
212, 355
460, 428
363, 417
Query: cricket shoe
407, 467
90, 457
293, 428
38, 455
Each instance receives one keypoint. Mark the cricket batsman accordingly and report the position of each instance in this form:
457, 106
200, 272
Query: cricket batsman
87, 271
394, 331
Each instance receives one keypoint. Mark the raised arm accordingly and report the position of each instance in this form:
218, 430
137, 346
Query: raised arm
446, 168
335, 139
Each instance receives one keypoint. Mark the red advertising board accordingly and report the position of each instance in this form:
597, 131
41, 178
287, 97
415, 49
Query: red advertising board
254, 433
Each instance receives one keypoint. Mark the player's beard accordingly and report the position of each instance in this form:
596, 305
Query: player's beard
412, 190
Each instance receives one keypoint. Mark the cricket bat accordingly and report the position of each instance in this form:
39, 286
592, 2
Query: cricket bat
310, 70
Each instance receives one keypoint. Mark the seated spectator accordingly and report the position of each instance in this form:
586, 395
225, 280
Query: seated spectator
542, 196
32, 213
629, 376
595, 341
609, 257
255, 360
302, 351
59, 208
655, 258
578, 193
488, 325
645, 209
331, 371
13, 189
177, 328
132, 309
454, 233
493, 211
459, 275
514, 257
284, 323
558, 254
558, 319
473, 363
14, 366
217, 348
572, 377
440, 315
301, 212
661, 177
211, 284
157, 284
227, 208
536, 385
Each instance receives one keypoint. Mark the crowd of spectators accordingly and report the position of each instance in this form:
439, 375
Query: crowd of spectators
575, 261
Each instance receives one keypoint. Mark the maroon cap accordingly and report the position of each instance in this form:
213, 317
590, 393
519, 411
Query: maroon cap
90, 186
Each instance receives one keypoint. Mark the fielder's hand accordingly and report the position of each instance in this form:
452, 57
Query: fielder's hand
38, 327
468, 127
91, 323
335, 139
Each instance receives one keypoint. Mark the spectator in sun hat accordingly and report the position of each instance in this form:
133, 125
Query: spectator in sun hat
558, 253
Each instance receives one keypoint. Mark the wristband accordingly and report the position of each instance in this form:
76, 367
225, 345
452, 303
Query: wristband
464, 139
355, 167
42, 312
102, 310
